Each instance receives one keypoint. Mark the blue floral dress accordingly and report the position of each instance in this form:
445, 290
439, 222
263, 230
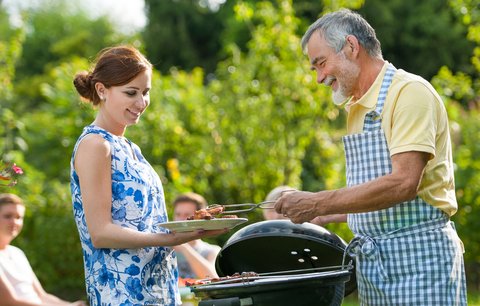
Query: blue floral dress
146, 276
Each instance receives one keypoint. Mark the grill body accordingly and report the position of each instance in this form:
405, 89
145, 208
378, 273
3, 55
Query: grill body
305, 262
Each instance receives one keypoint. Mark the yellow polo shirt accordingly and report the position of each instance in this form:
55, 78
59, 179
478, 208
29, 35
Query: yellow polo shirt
413, 119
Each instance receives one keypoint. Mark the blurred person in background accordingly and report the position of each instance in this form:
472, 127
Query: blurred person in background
18, 283
400, 190
117, 196
196, 258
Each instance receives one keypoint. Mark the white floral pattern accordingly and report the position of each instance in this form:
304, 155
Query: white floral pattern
146, 276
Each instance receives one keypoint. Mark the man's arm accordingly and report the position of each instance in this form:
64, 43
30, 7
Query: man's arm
384, 192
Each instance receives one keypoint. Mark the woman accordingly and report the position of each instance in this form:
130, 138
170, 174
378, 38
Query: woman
117, 196
18, 283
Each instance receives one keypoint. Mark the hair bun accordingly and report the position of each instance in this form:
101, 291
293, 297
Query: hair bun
83, 84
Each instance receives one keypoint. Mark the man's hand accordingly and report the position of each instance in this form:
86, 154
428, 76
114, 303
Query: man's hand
298, 206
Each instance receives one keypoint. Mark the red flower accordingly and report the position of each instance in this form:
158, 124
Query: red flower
9, 173
17, 169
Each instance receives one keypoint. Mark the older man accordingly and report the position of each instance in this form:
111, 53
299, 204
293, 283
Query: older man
400, 192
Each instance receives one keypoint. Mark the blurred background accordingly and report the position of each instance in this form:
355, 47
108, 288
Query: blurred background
235, 110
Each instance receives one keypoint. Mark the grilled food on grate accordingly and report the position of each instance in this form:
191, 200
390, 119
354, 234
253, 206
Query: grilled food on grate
236, 277
209, 213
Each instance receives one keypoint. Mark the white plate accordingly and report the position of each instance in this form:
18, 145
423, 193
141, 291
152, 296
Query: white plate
193, 225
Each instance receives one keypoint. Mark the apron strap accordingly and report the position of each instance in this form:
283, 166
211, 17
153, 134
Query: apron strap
366, 246
372, 119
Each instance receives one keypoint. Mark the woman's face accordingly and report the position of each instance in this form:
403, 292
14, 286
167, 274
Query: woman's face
123, 105
11, 221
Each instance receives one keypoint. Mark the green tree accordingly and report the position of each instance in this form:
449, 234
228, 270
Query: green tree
461, 91
419, 36
36, 134
10, 52
183, 34
188, 33
58, 31
249, 129
259, 121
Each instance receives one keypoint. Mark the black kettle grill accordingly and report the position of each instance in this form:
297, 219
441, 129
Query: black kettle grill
297, 264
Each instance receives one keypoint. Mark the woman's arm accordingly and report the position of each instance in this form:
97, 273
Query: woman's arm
93, 166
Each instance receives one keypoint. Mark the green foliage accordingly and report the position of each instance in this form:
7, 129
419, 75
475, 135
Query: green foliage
182, 33
333, 5
58, 122
248, 130
251, 127
461, 88
57, 31
10, 125
419, 36
259, 121
275, 105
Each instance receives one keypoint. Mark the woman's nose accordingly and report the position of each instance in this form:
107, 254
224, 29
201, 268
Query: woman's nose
143, 101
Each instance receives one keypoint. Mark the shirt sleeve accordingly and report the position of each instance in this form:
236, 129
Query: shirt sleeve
413, 123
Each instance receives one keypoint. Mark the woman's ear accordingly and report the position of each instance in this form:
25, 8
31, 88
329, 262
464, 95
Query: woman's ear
100, 88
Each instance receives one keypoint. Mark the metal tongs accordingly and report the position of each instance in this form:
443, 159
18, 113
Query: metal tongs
244, 207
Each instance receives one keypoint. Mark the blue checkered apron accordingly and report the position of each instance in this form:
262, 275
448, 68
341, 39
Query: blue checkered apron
409, 254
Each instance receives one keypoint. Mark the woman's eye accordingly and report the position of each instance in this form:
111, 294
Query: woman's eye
131, 93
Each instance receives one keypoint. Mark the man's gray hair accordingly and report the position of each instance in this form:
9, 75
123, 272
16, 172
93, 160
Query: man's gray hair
337, 25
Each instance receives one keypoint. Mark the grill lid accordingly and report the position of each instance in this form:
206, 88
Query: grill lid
280, 245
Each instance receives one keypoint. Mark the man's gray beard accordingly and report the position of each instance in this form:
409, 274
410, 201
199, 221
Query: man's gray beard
338, 97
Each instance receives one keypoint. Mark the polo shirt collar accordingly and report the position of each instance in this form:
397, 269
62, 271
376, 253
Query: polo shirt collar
369, 99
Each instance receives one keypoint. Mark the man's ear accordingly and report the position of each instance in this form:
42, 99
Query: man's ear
352, 45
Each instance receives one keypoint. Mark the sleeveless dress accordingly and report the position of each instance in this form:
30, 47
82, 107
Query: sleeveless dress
408, 254
145, 276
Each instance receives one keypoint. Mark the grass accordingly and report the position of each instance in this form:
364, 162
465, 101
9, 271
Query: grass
351, 300
473, 299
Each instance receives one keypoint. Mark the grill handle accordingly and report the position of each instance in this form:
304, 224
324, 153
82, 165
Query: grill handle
319, 269
234, 301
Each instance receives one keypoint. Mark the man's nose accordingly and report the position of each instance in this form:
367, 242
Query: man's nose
320, 77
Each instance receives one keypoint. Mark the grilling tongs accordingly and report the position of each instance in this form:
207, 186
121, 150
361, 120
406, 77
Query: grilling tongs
244, 207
